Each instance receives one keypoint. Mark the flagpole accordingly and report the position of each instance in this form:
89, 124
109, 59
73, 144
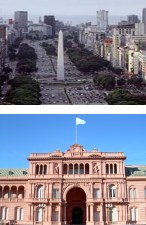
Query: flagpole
76, 133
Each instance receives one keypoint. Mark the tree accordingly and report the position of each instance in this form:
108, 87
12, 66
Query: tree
105, 81
121, 82
7, 70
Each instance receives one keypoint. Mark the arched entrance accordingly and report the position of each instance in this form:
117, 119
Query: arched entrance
76, 206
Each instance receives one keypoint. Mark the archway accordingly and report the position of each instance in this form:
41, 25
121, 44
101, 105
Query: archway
76, 206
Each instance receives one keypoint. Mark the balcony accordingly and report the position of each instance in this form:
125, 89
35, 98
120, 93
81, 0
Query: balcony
39, 200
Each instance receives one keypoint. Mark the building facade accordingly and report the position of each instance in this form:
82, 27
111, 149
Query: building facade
50, 20
74, 187
21, 21
102, 20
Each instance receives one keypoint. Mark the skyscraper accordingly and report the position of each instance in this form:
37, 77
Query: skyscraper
133, 19
50, 20
21, 21
60, 62
102, 20
144, 19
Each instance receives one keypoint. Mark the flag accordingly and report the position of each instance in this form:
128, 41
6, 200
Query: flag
79, 121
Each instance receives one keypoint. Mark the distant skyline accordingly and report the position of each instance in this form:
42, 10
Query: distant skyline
25, 134
72, 7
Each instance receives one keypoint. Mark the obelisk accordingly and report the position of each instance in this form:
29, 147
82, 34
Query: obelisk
60, 60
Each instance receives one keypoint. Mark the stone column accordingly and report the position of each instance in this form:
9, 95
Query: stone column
50, 212
91, 212
59, 213
50, 191
87, 213
65, 212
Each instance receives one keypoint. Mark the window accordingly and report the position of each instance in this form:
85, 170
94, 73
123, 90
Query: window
5, 213
112, 191
19, 214
97, 216
113, 214
134, 214
96, 193
70, 169
39, 214
81, 169
145, 192
132, 192
76, 169
40, 192
55, 193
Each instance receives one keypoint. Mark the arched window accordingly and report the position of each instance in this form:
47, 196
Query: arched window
144, 192
70, 169
112, 191
134, 214
132, 192
107, 169
41, 169
114, 214
86, 168
45, 169
81, 168
76, 169
115, 168
5, 211
39, 214
40, 191
65, 169
37, 169
111, 168
19, 214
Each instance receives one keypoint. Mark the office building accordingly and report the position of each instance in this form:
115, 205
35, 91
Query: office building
50, 20
21, 21
102, 20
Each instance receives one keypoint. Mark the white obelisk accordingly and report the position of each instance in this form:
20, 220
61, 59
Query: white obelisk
60, 61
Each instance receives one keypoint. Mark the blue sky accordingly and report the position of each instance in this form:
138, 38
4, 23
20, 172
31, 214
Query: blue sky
72, 7
25, 134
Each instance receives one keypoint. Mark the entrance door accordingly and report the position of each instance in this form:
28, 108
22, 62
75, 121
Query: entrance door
77, 215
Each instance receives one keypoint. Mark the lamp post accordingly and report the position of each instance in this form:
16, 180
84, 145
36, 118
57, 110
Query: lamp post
108, 206
42, 206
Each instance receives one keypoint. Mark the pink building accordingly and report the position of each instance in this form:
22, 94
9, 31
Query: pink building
74, 187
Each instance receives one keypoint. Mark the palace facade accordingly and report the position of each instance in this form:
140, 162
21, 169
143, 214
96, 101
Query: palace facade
74, 187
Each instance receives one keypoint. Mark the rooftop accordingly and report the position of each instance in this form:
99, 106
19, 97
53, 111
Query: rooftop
132, 171
13, 172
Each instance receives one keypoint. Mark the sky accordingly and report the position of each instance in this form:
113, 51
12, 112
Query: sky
25, 134
72, 7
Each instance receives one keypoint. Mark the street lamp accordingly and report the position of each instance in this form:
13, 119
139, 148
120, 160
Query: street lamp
109, 207
42, 206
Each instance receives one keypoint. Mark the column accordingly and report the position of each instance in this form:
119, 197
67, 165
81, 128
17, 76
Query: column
101, 213
91, 212
73, 168
50, 212
50, 191
67, 168
65, 213
91, 168
59, 212
87, 213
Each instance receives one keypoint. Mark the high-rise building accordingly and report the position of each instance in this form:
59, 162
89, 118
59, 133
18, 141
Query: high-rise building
21, 21
133, 19
3, 45
50, 20
144, 18
102, 20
